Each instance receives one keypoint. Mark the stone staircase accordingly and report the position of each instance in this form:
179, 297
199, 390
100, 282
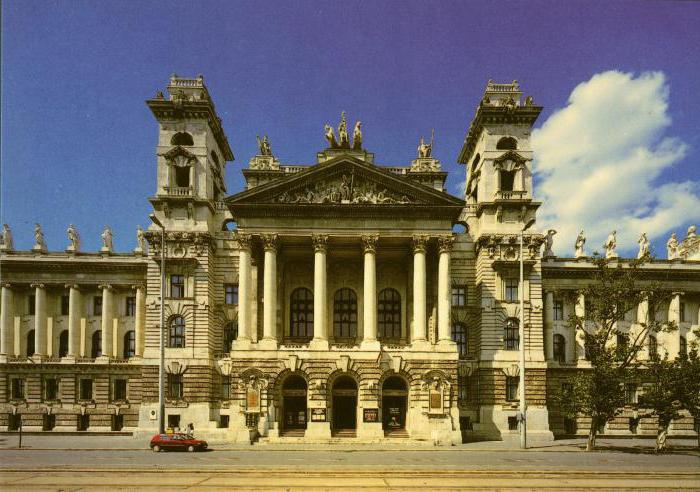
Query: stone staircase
345, 433
396, 434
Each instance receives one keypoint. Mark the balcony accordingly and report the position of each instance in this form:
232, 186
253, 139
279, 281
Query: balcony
178, 190
510, 195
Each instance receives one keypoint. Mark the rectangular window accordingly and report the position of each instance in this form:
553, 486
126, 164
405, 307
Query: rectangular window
513, 423
14, 421
83, 422
17, 389
50, 389
683, 346
85, 389
177, 286
630, 393
97, 306
120, 390
225, 387
653, 346
511, 289
175, 386
130, 306
512, 383
463, 388
622, 341
459, 295
174, 421
117, 422
569, 426
231, 294
681, 312
48, 421
31, 305
223, 421
558, 310
65, 305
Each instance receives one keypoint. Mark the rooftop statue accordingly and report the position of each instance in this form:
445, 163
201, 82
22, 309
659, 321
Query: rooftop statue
643, 246
426, 150
330, 136
264, 146
672, 247
549, 243
691, 232
610, 245
140, 240
107, 239
74, 238
357, 136
580, 241
343, 132
39, 242
7, 243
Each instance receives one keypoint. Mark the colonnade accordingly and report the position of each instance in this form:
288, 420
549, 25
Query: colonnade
369, 315
44, 322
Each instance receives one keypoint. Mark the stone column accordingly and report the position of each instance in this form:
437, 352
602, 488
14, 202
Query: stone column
671, 341
245, 242
369, 315
107, 329
444, 291
580, 311
548, 325
420, 243
270, 242
140, 319
6, 321
74, 315
320, 340
39, 319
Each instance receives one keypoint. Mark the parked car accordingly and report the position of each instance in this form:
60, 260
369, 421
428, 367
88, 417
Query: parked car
177, 442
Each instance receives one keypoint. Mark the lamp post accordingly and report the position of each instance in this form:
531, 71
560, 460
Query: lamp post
161, 346
521, 342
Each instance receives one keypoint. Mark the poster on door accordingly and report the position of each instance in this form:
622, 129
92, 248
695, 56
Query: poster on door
318, 415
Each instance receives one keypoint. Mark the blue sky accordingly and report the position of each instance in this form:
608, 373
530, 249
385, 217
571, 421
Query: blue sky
78, 141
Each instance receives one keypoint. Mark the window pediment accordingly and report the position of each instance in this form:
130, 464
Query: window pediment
509, 161
180, 157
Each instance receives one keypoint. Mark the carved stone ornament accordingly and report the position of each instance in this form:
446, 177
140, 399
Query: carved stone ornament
672, 247
689, 249
39, 242
425, 165
344, 189
445, 243
369, 243
270, 242
610, 245
549, 244
180, 157
245, 241
578, 246
420, 242
264, 163
74, 239
320, 241
6, 244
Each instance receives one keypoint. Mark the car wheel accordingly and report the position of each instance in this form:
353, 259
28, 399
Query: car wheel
190, 448
156, 448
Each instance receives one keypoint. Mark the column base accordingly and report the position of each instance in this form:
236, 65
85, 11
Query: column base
447, 344
421, 345
102, 359
3, 359
318, 344
36, 358
68, 359
370, 345
241, 344
267, 344
367, 430
318, 430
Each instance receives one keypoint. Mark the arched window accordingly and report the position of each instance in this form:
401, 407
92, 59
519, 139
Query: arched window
177, 332
389, 314
507, 143
459, 335
511, 337
31, 347
507, 180
129, 344
230, 334
301, 313
182, 138
63, 344
559, 346
345, 314
96, 344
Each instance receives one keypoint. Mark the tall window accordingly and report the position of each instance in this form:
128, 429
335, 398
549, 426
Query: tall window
96, 344
177, 332
559, 346
130, 306
511, 337
507, 180
681, 312
50, 389
177, 286
512, 383
119, 390
683, 346
389, 314
345, 314
231, 294
653, 346
17, 389
225, 387
463, 388
63, 344
230, 334
301, 313
622, 340
129, 344
97, 305
510, 286
65, 305
85, 389
31, 305
459, 295
558, 310
31, 348
459, 335
630, 393
175, 386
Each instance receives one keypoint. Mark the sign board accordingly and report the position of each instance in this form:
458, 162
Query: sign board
435, 401
318, 415
370, 414
252, 400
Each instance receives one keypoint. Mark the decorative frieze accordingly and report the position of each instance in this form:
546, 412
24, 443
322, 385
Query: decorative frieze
345, 189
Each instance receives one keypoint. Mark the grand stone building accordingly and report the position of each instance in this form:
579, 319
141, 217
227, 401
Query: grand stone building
336, 299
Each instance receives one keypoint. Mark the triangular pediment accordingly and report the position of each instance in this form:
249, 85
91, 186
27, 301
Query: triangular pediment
345, 181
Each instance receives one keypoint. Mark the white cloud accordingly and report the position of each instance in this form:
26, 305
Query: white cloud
598, 162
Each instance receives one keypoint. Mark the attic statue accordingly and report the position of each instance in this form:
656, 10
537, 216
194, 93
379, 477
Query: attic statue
672, 247
425, 151
580, 241
549, 244
7, 243
107, 239
74, 238
264, 146
610, 245
357, 136
39, 242
643, 246
343, 132
330, 136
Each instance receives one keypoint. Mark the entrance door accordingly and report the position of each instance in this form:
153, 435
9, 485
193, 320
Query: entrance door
344, 403
294, 403
394, 403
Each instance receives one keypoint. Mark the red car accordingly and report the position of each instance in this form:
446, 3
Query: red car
177, 442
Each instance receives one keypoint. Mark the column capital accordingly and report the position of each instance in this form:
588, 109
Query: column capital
420, 242
320, 242
105, 286
138, 286
245, 240
270, 242
369, 242
6, 285
37, 285
445, 243
72, 286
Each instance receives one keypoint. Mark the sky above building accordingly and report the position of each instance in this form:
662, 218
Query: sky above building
616, 145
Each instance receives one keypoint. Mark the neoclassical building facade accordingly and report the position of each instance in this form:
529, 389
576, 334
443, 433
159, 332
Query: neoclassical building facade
339, 299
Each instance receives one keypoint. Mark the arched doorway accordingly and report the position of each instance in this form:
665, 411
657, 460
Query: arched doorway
294, 403
344, 393
394, 403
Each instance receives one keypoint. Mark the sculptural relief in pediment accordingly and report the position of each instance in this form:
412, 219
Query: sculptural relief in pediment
345, 189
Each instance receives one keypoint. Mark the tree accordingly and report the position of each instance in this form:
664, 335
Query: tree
613, 292
662, 395
688, 383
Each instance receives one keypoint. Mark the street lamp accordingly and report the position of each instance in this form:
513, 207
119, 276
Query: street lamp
161, 364
521, 342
